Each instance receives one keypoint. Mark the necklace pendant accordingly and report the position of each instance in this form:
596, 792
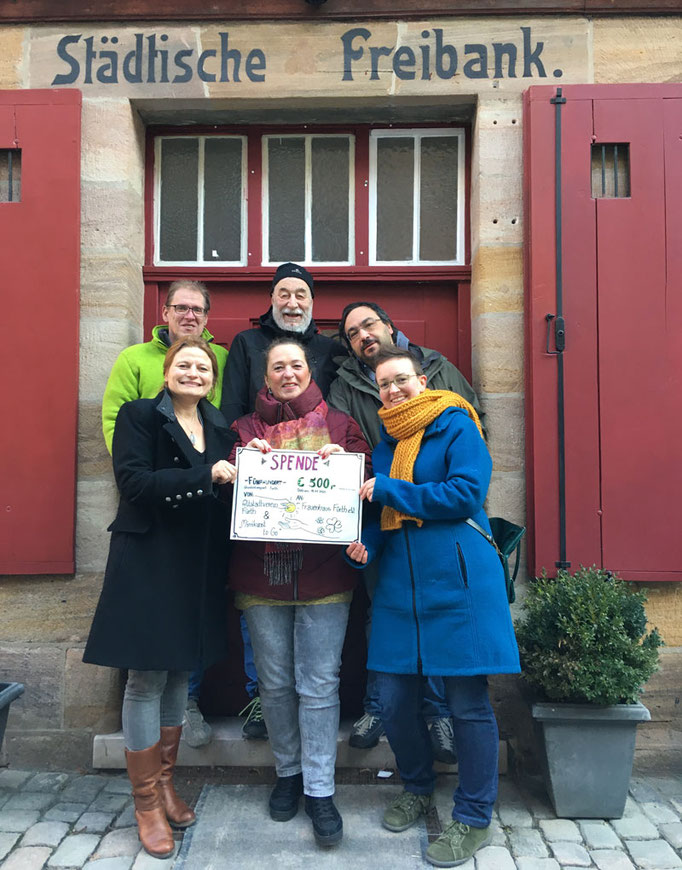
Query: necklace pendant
192, 439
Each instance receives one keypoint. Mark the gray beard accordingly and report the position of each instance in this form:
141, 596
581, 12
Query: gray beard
286, 327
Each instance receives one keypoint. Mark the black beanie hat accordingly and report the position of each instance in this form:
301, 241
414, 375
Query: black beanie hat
292, 270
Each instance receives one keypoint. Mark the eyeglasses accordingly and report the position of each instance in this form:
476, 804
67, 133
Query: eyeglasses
399, 380
196, 310
353, 333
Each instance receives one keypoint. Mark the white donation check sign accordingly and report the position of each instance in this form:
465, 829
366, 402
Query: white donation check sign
296, 496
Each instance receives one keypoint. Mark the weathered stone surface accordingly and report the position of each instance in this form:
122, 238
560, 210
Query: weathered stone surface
101, 342
45, 610
55, 749
560, 829
635, 826
497, 280
7, 842
111, 287
65, 812
605, 859
599, 835
74, 850
93, 823
97, 503
92, 694
659, 813
653, 854
632, 49
527, 843
25, 800
11, 56
109, 803
11, 779
497, 352
47, 782
672, 833
41, 669
122, 863
571, 853
506, 496
515, 816
664, 610
124, 841
494, 858
111, 218
29, 858
17, 821
84, 789
45, 834
505, 426
94, 460
113, 143
537, 864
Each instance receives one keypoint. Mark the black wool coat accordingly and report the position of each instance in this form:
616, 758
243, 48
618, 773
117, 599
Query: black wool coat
162, 605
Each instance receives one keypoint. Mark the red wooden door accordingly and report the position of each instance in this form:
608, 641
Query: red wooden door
40, 240
623, 364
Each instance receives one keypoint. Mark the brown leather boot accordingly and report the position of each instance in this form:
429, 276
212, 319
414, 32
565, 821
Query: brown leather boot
144, 770
177, 811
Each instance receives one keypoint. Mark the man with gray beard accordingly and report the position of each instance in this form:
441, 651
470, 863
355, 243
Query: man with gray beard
290, 315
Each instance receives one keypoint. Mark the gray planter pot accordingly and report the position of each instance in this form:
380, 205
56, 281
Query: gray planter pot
588, 755
8, 692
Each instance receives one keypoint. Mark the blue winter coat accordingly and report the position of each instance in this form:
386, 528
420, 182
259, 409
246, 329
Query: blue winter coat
440, 607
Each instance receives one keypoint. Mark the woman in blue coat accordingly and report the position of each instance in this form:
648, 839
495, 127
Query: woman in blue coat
440, 607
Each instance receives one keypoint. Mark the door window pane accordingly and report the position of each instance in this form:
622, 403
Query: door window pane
394, 194
438, 198
179, 203
286, 199
330, 192
223, 199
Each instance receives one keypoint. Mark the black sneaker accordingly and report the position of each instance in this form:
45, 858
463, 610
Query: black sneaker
285, 797
443, 740
254, 728
327, 822
366, 732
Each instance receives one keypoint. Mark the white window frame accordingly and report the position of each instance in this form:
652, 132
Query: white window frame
200, 205
308, 198
417, 134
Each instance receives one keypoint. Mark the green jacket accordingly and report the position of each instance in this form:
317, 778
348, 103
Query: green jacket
357, 394
138, 374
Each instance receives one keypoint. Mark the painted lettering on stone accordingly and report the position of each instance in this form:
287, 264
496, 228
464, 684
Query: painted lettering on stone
435, 57
149, 62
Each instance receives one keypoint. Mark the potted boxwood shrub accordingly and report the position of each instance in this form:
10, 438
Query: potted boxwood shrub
586, 651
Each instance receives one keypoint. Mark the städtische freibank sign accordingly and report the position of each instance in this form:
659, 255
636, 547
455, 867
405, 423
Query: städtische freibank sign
445, 56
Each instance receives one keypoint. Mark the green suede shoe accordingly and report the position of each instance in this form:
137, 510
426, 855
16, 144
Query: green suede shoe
405, 810
457, 844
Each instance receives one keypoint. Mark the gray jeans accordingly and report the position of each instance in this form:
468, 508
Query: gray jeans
297, 650
152, 699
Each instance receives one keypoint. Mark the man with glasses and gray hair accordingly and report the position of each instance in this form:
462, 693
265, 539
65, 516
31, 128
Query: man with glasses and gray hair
138, 374
366, 328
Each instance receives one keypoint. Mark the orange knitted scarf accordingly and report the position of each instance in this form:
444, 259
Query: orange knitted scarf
406, 423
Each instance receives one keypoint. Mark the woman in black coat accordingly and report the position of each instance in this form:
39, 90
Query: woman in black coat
161, 611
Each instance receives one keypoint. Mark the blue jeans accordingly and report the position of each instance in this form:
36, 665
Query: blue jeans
434, 706
476, 738
152, 699
297, 649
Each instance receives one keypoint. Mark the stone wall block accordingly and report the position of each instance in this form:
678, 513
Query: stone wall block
101, 342
111, 287
92, 695
112, 219
113, 143
47, 609
505, 426
93, 457
41, 670
97, 504
497, 280
499, 212
507, 497
12, 56
497, 353
633, 49
664, 610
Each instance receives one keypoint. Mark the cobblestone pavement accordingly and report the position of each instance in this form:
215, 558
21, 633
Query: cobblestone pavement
72, 820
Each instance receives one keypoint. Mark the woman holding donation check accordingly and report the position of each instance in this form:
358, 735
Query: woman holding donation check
440, 606
296, 599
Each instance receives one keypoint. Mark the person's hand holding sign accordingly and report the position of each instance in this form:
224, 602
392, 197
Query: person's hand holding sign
259, 444
326, 451
367, 489
357, 551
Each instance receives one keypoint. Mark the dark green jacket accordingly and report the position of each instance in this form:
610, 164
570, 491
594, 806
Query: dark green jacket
354, 392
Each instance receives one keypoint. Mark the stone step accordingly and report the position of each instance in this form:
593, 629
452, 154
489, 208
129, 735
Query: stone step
229, 749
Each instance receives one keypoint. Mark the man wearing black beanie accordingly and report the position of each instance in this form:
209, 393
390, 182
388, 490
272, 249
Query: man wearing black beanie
290, 314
